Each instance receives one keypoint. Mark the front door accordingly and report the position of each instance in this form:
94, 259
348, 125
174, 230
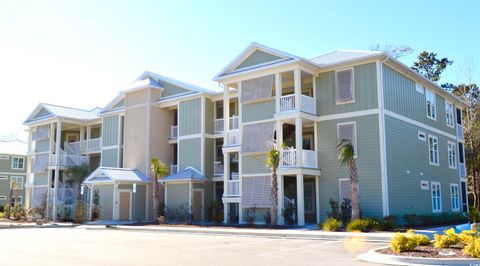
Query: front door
124, 206
197, 205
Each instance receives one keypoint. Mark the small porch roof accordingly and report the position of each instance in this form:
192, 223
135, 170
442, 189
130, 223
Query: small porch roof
189, 174
111, 175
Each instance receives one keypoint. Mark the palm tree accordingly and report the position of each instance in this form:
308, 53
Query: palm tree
273, 160
77, 174
346, 153
158, 170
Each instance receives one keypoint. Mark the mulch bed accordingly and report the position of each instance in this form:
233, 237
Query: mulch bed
427, 252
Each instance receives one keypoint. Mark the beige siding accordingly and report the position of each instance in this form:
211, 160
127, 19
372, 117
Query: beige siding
137, 97
136, 139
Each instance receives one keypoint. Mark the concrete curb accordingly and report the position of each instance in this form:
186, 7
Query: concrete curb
375, 257
32, 225
280, 233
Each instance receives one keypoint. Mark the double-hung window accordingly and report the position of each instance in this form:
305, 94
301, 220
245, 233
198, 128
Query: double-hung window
449, 114
16, 182
431, 105
433, 150
436, 197
18, 163
454, 197
452, 155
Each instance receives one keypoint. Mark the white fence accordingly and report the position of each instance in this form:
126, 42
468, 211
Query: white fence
307, 103
67, 160
174, 132
83, 146
218, 168
233, 137
288, 158
233, 187
219, 125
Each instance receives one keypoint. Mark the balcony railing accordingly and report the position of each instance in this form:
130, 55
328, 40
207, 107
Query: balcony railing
307, 103
173, 169
288, 159
233, 186
174, 132
217, 168
219, 125
233, 137
83, 146
459, 131
67, 160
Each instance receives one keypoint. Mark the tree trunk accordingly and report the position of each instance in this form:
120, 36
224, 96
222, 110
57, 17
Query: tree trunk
274, 212
156, 192
354, 185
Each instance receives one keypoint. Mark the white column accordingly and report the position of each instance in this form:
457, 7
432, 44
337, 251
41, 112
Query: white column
280, 200
279, 131
317, 197
90, 207
298, 141
278, 91
57, 169
314, 81
225, 212
300, 201
51, 149
240, 213
226, 114
29, 177
89, 132
115, 215
190, 196
226, 173
297, 79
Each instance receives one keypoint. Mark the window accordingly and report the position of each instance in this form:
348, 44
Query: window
452, 155
16, 182
12, 200
257, 88
461, 159
17, 163
344, 90
3, 177
4, 157
422, 136
449, 114
348, 131
431, 105
459, 116
454, 197
436, 197
433, 150
3, 197
419, 88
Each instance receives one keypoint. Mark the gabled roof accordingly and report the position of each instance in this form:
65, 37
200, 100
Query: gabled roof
57, 111
187, 175
342, 56
116, 175
114, 104
14, 147
159, 78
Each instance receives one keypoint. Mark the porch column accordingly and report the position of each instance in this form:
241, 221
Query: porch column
314, 81
317, 197
190, 196
298, 141
50, 163
280, 200
226, 114
279, 130
240, 213
226, 177
57, 168
278, 91
297, 79
300, 201
90, 206
115, 215
225, 212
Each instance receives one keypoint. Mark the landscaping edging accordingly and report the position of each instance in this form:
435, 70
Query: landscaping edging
375, 257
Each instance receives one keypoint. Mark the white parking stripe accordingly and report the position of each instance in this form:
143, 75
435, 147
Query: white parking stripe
292, 249
238, 244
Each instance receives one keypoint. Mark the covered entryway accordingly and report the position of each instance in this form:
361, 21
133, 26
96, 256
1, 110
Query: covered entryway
306, 211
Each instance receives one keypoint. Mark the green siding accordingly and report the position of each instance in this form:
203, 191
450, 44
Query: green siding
189, 117
365, 78
209, 157
106, 201
209, 116
43, 113
170, 89
40, 180
256, 58
177, 194
110, 131
189, 153
42, 145
258, 111
119, 104
5, 189
368, 164
138, 200
110, 157
6, 165
254, 164
402, 98
259, 215
407, 163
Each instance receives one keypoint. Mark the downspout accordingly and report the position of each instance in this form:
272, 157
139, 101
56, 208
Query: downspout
382, 136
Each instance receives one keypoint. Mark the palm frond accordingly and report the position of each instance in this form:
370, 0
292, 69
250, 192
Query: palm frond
158, 168
273, 158
346, 151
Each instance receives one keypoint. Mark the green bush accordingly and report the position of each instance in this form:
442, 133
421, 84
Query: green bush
331, 224
422, 239
346, 211
249, 214
334, 207
403, 243
414, 220
364, 225
446, 240
2, 208
214, 212
388, 223
2, 215
288, 213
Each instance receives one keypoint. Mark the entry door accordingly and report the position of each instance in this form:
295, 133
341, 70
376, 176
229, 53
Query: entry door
197, 205
124, 206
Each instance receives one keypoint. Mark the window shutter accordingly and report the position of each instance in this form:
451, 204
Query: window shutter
256, 191
347, 132
345, 190
344, 85
257, 137
257, 88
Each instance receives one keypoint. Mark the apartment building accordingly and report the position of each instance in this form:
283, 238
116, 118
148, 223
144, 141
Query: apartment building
406, 130
13, 171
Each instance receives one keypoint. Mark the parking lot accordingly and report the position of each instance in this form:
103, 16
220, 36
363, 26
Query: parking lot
75, 246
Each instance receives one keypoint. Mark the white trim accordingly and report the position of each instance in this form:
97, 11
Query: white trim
3, 197
5, 157
453, 110
458, 197
18, 158
454, 151
419, 88
202, 132
149, 132
347, 115
257, 122
434, 103
432, 183
422, 135
352, 86
382, 139
202, 212
192, 136
354, 136
3, 177
13, 173
431, 148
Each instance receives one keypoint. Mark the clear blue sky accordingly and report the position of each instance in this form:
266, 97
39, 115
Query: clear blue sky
81, 53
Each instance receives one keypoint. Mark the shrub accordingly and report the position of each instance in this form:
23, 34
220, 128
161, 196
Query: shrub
331, 224
446, 240
2, 215
474, 215
288, 213
268, 218
214, 212
346, 211
403, 243
180, 214
334, 207
414, 220
388, 223
364, 225
2, 209
249, 214
421, 239
472, 246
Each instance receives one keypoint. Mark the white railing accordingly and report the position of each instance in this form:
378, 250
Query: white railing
461, 167
173, 169
233, 186
219, 125
287, 103
94, 144
307, 103
460, 131
217, 168
233, 137
82, 146
174, 132
67, 160
288, 158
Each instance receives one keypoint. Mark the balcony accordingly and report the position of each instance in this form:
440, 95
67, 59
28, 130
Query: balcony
173, 169
67, 160
219, 125
288, 159
459, 130
307, 103
233, 137
217, 168
174, 132
233, 186
84, 146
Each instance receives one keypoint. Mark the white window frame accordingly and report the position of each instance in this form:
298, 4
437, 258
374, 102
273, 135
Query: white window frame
3, 197
449, 116
452, 154
3, 177
17, 177
419, 88
422, 138
433, 105
15, 167
430, 149
352, 87
439, 209
355, 145
454, 197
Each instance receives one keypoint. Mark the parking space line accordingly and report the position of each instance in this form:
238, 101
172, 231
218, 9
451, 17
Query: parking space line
238, 244
299, 248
